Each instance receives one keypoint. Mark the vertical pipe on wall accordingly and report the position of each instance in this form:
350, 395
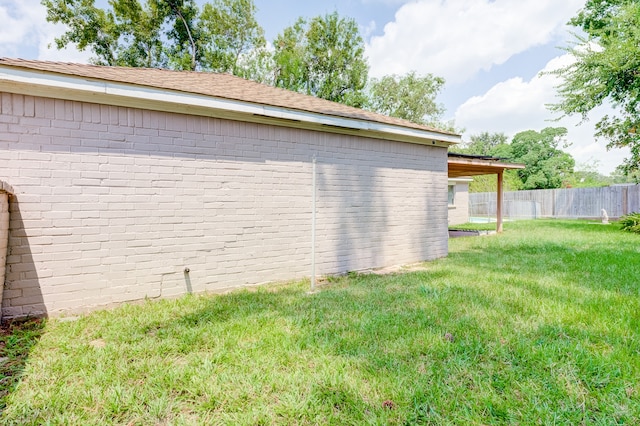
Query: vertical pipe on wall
4, 236
313, 224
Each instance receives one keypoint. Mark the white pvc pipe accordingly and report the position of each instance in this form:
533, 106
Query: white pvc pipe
313, 225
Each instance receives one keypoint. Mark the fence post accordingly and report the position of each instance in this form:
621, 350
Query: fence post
500, 196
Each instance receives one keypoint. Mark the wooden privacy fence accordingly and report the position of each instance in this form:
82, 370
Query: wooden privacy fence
559, 203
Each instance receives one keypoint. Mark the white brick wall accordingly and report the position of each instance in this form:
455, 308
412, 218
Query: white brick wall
459, 213
113, 203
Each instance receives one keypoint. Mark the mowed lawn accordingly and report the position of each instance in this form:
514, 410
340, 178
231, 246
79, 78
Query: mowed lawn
540, 325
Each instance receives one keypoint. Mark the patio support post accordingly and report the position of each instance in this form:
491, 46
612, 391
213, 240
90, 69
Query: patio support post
499, 202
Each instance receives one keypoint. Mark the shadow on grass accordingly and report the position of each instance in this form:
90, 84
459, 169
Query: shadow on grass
17, 339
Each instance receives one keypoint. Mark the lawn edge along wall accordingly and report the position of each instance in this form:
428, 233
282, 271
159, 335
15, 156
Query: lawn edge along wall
133, 184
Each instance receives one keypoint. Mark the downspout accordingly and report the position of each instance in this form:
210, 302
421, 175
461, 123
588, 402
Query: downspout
313, 224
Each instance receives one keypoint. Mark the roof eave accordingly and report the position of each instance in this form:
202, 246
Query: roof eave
61, 86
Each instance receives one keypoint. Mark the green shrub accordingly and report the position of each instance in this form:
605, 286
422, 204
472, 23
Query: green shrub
631, 222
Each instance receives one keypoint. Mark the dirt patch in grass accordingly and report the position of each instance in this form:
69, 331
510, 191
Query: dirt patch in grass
397, 269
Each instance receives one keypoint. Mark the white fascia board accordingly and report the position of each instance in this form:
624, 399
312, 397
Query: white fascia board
59, 82
460, 180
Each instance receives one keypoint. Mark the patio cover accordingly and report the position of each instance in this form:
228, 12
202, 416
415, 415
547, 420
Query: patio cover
463, 165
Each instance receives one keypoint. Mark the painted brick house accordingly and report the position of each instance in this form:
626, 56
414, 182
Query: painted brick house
136, 183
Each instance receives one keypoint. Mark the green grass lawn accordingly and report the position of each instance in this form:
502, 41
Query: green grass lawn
540, 325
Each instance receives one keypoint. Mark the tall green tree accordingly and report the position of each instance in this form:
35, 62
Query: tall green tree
605, 71
88, 26
223, 37
139, 41
410, 97
231, 38
323, 57
183, 35
125, 34
486, 143
546, 165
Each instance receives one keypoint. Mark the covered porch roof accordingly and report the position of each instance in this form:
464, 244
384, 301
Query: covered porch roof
464, 165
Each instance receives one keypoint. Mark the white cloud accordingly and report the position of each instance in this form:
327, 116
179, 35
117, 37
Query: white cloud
369, 29
47, 50
25, 33
516, 105
456, 39
19, 21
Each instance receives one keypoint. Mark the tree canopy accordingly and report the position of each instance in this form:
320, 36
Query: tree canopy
486, 143
547, 166
411, 97
605, 70
230, 36
323, 57
172, 34
126, 34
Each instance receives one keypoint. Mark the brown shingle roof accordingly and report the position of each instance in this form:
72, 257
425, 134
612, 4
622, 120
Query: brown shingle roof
222, 86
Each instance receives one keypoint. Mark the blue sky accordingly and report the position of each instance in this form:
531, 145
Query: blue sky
490, 52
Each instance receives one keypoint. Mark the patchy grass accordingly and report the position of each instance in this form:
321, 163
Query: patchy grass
16, 341
540, 325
